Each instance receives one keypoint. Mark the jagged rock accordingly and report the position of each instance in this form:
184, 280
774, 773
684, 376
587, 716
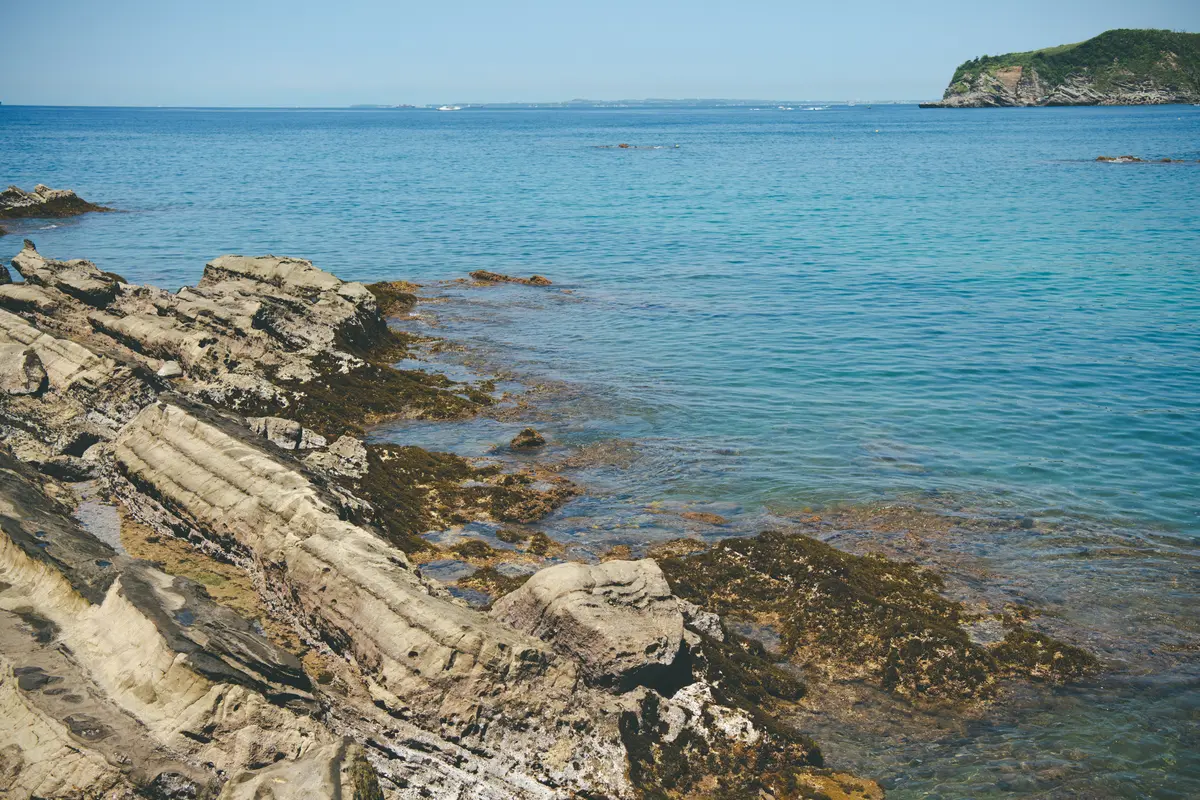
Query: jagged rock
140, 670
286, 433
527, 439
705, 622
617, 619
347, 457
80, 279
169, 369
43, 202
21, 371
485, 276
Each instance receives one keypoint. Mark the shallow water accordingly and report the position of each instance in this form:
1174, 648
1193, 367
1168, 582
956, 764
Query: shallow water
957, 309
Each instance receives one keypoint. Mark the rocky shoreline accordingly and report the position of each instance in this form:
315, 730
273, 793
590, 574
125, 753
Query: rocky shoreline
282, 641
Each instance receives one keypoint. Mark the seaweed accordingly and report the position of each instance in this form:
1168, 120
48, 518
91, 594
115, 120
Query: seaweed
863, 617
414, 490
662, 766
492, 582
393, 297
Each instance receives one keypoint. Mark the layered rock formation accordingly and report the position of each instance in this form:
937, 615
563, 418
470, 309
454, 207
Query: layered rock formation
225, 419
1119, 67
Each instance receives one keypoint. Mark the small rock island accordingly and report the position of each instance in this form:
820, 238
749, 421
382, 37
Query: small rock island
1117, 68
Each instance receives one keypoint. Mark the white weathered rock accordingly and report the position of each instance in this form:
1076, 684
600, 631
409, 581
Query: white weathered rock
618, 619
169, 369
705, 622
21, 371
80, 279
347, 457
285, 433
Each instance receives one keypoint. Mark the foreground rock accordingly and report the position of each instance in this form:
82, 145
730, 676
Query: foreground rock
15, 203
1118, 67
618, 619
227, 418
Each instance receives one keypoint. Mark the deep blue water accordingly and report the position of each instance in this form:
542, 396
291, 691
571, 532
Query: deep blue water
789, 309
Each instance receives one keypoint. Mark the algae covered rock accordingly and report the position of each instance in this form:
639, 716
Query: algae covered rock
43, 201
862, 617
527, 439
484, 276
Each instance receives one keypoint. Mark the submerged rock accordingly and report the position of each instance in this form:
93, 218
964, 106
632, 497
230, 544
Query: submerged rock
527, 439
15, 203
864, 617
484, 276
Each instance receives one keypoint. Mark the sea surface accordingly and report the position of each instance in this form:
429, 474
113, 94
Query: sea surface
766, 313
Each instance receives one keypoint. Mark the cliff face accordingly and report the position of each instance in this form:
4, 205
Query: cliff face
1120, 67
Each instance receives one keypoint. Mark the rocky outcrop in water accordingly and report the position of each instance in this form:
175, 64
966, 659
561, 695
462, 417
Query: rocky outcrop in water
16, 203
224, 421
1119, 67
483, 276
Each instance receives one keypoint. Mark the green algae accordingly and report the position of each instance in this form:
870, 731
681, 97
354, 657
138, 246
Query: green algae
865, 617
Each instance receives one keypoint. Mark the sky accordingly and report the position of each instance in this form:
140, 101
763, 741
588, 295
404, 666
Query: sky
310, 53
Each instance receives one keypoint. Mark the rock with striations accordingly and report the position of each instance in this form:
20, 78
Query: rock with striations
617, 619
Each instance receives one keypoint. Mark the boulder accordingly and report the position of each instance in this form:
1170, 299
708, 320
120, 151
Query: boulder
169, 369
617, 619
527, 439
346, 457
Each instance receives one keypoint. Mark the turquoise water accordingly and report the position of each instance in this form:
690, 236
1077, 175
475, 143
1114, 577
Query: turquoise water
789, 309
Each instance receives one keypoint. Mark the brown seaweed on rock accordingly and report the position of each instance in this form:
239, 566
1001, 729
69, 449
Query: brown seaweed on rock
864, 617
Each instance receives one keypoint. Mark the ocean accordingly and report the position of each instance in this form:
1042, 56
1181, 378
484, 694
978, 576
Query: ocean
766, 315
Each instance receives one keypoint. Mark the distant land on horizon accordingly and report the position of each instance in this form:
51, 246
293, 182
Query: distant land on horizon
1118, 67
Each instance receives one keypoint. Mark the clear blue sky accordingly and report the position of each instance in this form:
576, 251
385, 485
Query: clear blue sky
304, 52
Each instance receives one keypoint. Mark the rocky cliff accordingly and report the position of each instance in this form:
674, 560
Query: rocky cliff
1118, 67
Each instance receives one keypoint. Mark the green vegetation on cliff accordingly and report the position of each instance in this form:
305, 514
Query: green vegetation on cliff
1168, 58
